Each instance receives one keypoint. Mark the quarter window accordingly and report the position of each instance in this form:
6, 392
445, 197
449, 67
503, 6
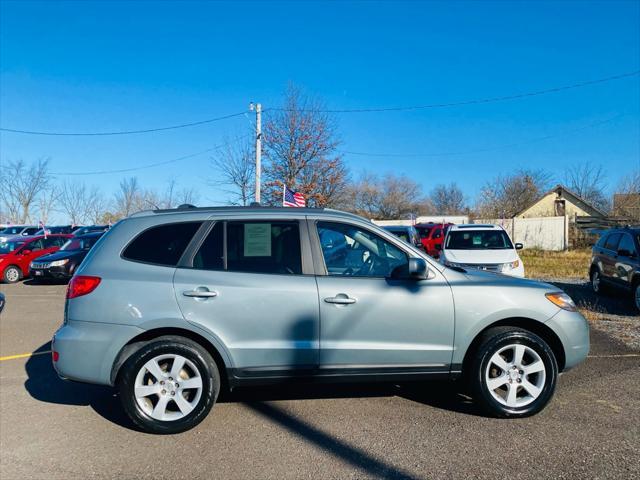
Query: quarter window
162, 245
354, 252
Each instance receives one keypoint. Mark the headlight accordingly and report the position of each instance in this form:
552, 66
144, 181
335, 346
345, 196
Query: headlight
510, 265
561, 300
59, 263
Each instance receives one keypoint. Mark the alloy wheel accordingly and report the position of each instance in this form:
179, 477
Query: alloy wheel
168, 387
515, 375
12, 275
637, 296
595, 281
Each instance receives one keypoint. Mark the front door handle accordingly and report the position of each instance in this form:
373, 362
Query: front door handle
200, 292
341, 299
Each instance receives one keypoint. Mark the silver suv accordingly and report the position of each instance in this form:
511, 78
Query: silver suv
174, 305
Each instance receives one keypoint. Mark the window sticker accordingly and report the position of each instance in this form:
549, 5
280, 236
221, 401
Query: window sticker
257, 240
477, 240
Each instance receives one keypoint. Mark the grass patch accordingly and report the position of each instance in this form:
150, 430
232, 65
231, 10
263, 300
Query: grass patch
546, 264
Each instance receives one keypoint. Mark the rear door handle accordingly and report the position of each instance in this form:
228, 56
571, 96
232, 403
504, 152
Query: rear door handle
200, 292
340, 299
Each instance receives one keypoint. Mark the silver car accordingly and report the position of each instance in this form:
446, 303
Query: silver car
171, 306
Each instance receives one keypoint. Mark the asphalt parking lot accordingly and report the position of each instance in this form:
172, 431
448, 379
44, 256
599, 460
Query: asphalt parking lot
53, 429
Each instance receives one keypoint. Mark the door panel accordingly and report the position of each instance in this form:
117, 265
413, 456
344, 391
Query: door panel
388, 321
268, 321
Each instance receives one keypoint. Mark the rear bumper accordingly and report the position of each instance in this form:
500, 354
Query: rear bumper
573, 330
87, 350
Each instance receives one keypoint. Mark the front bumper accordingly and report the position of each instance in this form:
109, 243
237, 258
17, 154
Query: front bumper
573, 330
53, 273
87, 350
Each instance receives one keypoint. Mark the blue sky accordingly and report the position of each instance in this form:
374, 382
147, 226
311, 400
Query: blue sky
85, 66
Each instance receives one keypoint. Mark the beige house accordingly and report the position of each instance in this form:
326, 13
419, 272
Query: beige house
558, 202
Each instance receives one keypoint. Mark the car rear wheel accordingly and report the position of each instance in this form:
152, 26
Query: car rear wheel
514, 373
169, 385
636, 295
12, 274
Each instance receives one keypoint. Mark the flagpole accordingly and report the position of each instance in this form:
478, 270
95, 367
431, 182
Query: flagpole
284, 190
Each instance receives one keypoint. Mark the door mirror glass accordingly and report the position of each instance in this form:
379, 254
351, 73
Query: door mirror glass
418, 269
519, 246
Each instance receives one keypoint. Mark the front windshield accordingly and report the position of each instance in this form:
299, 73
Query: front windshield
8, 247
478, 240
402, 234
11, 230
79, 244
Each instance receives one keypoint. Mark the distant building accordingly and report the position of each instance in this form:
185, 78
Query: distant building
560, 201
627, 205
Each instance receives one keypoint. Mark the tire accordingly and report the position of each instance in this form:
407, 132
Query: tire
12, 274
636, 295
165, 405
597, 285
508, 391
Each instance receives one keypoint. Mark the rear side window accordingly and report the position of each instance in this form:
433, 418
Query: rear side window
612, 241
162, 245
252, 246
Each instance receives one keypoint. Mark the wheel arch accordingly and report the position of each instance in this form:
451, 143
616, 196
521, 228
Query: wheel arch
533, 326
138, 341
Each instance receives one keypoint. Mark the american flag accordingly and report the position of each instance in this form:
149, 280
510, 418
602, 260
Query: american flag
291, 198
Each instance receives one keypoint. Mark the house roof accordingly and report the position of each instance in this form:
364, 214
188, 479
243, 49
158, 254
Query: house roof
562, 188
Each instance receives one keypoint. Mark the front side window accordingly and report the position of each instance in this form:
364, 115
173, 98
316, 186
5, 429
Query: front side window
478, 240
35, 245
355, 252
54, 242
271, 247
162, 245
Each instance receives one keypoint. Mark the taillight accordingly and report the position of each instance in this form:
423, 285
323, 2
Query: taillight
82, 285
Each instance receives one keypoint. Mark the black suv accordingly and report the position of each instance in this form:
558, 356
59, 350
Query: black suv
615, 262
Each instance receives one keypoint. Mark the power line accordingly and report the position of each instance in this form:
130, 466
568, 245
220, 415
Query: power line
488, 149
124, 132
151, 165
470, 102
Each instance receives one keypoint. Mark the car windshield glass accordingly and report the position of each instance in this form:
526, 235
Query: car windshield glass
478, 240
12, 230
403, 234
79, 244
8, 247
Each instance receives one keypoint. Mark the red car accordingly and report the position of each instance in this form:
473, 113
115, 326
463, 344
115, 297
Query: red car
17, 253
432, 234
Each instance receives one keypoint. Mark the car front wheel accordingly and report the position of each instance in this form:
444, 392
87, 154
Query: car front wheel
12, 274
514, 373
169, 385
596, 281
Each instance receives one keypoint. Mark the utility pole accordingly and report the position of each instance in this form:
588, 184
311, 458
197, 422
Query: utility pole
258, 109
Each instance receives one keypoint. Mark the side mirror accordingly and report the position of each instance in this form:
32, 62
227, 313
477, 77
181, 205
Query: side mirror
439, 246
26, 251
519, 246
417, 269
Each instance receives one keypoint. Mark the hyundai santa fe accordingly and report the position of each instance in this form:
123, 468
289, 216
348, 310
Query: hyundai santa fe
171, 306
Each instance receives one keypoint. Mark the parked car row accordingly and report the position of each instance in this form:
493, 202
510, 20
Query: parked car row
51, 256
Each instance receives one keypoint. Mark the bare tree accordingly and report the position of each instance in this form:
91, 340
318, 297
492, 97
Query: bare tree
588, 181
448, 199
75, 200
506, 196
386, 198
626, 200
97, 207
236, 168
300, 143
21, 185
46, 201
130, 198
